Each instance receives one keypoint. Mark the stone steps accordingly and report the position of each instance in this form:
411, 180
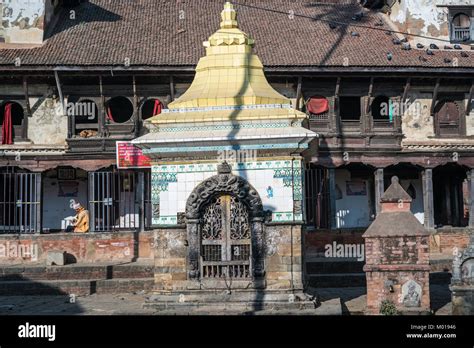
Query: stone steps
74, 287
77, 279
329, 266
75, 272
337, 280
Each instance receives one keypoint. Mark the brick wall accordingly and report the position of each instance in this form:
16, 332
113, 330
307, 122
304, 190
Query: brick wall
390, 263
81, 248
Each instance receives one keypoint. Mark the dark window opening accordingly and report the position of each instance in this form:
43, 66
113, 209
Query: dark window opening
381, 108
151, 107
349, 108
450, 200
119, 110
86, 118
12, 120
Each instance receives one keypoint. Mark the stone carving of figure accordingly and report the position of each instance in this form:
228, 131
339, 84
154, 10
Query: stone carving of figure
412, 297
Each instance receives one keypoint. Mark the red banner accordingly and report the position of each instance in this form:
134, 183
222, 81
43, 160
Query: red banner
130, 156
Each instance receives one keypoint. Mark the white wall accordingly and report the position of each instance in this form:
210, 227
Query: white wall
351, 211
417, 207
56, 208
261, 177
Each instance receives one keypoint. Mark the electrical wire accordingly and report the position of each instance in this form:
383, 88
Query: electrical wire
342, 23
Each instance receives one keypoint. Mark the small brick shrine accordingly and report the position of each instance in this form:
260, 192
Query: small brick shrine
397, 256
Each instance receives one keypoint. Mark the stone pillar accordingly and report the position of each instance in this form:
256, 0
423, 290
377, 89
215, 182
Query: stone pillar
397, 257
170, 260
332, 197
427, 178
258, 248
193, 248
284, 258
379, 189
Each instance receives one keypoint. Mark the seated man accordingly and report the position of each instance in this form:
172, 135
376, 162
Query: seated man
81, 220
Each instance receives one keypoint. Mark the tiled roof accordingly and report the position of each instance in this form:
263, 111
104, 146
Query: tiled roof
289, 34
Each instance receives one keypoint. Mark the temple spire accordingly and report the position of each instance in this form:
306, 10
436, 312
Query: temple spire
229, 17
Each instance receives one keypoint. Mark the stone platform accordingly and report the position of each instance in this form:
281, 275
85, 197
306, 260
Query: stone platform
240, 300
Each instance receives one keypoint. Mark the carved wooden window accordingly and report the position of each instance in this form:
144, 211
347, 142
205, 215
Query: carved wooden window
225, 239
448, 119
461, 28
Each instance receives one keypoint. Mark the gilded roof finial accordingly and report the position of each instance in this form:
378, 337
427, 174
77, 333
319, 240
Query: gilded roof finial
229, 17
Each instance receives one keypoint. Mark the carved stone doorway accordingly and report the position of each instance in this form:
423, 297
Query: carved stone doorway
224, 217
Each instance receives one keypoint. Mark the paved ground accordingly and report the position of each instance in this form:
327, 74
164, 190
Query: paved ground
334, 300
124, 304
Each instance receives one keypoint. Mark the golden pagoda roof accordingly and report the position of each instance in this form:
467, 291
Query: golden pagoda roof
229, 81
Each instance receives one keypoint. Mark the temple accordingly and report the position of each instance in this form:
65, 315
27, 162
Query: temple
227, 175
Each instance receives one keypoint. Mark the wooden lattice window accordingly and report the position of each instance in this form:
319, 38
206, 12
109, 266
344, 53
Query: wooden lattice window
226, 239
448, 120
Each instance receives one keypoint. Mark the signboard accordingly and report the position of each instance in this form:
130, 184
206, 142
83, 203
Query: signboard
130, 156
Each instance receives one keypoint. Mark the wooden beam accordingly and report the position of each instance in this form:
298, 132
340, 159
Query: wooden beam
338, 87
469, 100
379, 189
369, 96
102, 114
298, 92
435, 97
332, 197
406, 90
335, 114
427, 180
172, 91
135, 106
28, 108
60, 92
470, 178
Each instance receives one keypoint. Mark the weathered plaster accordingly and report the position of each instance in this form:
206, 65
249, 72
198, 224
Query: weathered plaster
418, 125
47, 126
421, 17
23, 21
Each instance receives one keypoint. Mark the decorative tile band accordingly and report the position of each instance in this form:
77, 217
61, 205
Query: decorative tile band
276, 217
228, 107
250, 125
212, 167
225, 148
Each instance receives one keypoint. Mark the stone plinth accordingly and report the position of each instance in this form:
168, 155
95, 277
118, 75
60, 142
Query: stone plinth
279, 287
462, 282
397, 256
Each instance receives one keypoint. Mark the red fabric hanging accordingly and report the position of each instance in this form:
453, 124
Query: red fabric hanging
157, 108
109, 115
7, 127
317, 105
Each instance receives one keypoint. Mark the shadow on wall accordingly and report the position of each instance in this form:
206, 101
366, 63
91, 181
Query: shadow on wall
86, 12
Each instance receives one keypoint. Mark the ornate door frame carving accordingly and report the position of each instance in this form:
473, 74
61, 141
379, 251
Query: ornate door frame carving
224, 183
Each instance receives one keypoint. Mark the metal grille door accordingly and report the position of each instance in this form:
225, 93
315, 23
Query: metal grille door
316, 197
226, 251
113, 201
20, 202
